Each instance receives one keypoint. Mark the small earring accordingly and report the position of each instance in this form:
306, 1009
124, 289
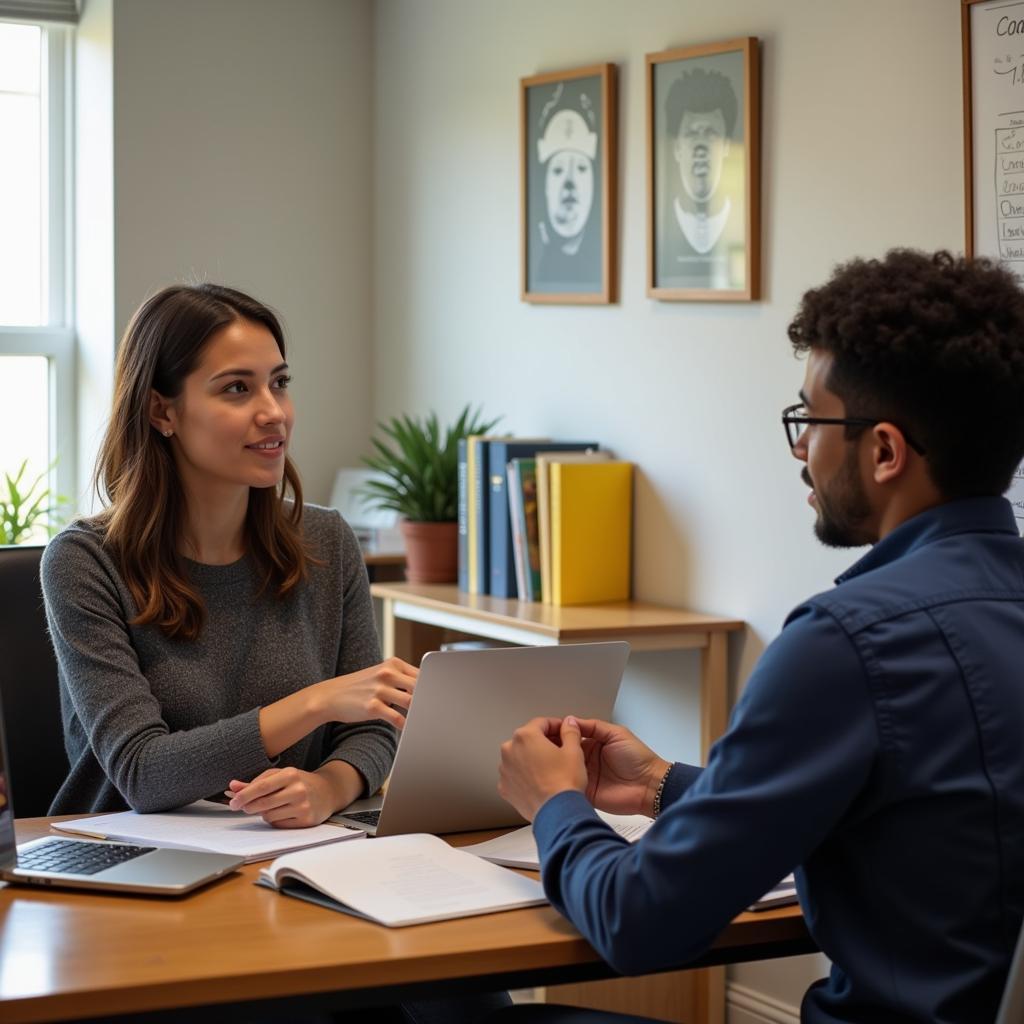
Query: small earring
167, 433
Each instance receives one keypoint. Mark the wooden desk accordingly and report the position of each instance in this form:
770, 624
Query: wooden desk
647, 627
70, 955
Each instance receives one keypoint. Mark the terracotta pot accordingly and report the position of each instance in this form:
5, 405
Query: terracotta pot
431, 551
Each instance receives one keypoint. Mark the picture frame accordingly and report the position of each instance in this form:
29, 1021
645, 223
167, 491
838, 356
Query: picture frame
704, 172
569, 185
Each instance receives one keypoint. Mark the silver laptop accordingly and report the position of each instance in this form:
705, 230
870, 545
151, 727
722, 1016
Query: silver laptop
467, 704
84, 864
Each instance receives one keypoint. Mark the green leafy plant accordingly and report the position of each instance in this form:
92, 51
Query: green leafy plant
421, 465
23, 508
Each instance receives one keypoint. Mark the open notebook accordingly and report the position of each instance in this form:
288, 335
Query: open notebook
401, 880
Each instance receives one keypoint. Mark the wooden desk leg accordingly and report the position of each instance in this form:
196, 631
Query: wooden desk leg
709, 994
714, 696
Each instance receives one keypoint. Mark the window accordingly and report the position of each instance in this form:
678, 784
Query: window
36, 336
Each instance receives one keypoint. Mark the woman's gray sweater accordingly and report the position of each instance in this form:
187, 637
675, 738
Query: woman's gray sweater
153, 723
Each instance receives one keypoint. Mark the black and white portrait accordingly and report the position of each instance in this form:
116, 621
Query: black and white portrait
699, 168
565, 181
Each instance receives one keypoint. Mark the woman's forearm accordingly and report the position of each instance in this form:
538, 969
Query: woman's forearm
344, 781
288, 720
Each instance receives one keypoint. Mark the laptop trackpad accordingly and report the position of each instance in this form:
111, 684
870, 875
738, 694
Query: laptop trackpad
170, 869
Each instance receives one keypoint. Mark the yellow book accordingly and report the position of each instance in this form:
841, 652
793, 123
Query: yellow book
591, 531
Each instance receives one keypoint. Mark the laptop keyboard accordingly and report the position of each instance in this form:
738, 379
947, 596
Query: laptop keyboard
364, 817
71, 857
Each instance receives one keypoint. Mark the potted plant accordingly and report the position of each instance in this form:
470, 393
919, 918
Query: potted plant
23, 510
419, 465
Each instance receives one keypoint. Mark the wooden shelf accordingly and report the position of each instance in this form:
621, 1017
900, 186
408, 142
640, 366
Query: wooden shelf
646, 626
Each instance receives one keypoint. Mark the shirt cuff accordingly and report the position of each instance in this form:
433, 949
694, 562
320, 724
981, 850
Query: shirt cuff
558, 811
680, 778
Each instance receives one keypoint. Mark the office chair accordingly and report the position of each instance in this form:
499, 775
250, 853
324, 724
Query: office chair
28, 685
1011, 1008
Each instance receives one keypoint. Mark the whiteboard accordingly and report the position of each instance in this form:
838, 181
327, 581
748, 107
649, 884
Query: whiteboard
997, 128
1016, 496
994, 95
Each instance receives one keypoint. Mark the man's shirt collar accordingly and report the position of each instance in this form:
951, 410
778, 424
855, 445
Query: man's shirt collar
967, 515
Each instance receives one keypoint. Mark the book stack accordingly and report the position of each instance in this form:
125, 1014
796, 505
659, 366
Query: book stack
544, 520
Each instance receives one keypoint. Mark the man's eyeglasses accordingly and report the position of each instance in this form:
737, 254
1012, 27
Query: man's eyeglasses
795, 418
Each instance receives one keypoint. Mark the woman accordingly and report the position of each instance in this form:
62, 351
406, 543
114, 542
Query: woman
210, 634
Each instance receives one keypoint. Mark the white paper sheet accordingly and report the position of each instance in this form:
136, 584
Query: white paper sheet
209, 827
518, 849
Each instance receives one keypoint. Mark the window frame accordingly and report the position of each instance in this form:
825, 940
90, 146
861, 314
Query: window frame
55, 340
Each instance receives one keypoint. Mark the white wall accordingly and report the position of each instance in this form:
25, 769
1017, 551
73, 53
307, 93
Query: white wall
862, 151
356, 165
242, 155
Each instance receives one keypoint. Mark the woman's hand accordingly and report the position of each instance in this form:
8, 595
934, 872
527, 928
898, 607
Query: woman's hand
292, 798
372, 693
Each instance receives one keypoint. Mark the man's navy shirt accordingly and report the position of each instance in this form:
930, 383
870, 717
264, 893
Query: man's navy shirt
878, 748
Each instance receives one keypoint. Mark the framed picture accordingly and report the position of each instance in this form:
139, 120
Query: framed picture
568, 185
703, 172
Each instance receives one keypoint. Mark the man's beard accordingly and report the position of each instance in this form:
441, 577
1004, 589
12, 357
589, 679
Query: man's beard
843, 512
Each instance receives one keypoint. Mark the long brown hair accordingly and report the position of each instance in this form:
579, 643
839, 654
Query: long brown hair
136, 477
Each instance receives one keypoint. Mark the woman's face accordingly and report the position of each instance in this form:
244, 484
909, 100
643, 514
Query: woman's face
233, 419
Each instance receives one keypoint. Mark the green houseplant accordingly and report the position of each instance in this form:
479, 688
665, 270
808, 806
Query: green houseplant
23, 508
418, 462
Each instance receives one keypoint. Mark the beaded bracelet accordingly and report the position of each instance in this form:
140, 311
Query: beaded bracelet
660, 790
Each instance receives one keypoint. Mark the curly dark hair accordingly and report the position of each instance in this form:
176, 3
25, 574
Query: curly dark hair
935, 344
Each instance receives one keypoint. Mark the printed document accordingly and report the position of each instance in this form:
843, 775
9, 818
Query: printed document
208, 827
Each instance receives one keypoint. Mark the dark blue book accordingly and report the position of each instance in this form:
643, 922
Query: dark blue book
499, 454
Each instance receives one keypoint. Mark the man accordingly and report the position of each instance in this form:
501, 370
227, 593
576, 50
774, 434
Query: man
700, 115
567, 248
877, 747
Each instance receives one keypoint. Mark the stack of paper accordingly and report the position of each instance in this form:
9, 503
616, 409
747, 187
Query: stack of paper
208, 827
